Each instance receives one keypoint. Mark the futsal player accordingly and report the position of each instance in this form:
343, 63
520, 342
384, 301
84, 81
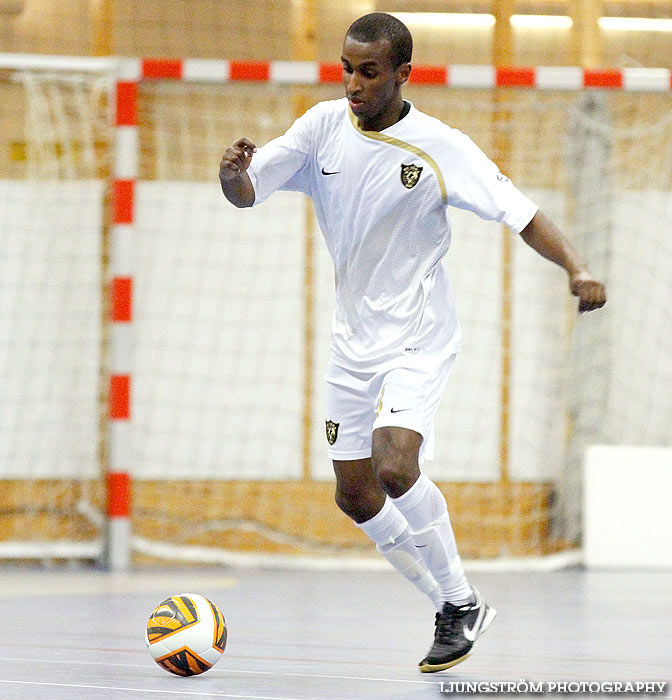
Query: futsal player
382, 175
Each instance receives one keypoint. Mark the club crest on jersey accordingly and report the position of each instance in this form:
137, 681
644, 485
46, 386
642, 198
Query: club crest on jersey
410, 174
332, 431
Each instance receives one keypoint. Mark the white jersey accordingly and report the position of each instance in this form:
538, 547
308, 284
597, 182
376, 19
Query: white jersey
381, 200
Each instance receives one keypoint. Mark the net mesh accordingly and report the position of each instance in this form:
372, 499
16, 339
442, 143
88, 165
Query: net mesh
228, 449
56, 132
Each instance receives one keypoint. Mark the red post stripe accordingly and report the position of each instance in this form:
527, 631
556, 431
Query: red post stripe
514, 77
429, 75
155, 68
118, 495
122, 201
593, 78
331, 72
120, 397
127, 104
250, 70
122, 299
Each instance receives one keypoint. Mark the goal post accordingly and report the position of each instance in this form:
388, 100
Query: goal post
156, 339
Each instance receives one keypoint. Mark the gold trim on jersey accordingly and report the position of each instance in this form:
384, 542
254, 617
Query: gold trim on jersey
378, 136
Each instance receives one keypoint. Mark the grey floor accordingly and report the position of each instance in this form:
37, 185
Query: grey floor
304, 635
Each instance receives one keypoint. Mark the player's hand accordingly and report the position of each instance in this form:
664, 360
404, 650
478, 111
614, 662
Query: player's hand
591, 292
236, 159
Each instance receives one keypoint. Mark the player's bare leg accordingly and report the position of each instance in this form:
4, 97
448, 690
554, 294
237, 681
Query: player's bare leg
360, 496
463, 616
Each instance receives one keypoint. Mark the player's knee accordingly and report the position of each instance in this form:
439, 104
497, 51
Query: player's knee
396, 478
395, 463
360, 505
345, 502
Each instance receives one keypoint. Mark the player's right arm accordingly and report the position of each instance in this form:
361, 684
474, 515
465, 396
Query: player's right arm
236, 184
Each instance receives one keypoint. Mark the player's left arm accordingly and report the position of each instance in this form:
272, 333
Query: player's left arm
545, 237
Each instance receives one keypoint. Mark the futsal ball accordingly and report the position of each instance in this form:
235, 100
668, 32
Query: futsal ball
186, 634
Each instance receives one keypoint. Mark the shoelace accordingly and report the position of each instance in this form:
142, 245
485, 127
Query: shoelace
447, 624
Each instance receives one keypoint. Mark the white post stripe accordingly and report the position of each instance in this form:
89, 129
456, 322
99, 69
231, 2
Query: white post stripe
471, 76
121, 253
295, 72
126, 153
121, 348
559, 78
120, 446
119, 544
206, 70
647, 79
130, 69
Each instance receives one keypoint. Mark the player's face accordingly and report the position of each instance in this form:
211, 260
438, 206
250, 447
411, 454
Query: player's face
372, 84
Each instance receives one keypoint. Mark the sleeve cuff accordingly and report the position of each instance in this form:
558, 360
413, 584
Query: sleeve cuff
525, 216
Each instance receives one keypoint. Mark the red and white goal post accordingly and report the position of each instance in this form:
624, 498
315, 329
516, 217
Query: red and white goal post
163, 353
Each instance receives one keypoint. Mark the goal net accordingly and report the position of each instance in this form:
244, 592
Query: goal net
55, 141
232, 310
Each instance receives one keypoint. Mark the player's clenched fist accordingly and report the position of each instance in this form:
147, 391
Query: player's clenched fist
236, 159
590, 291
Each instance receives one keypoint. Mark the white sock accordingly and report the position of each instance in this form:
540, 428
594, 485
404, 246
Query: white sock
392, 536
426, 512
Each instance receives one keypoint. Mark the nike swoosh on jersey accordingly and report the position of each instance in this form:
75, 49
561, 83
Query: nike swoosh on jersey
399, 410
335, 172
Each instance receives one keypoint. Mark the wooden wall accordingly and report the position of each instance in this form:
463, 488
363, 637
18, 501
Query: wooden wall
262, 29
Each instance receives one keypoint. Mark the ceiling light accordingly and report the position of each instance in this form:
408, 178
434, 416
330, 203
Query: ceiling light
541, 21
467, 19
636, 24
446, 19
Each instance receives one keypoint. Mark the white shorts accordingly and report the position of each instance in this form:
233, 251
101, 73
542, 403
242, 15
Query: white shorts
404, 396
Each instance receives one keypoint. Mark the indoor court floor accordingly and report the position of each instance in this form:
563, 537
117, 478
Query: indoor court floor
305, 635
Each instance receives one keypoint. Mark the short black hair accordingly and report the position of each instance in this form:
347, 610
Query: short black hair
379, 25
